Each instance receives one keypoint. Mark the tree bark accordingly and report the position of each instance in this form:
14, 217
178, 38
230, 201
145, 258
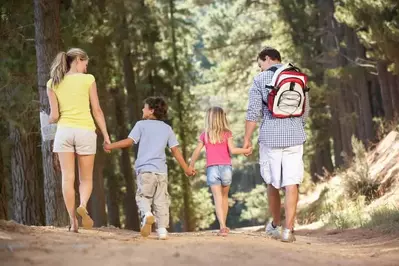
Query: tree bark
189, 217
336, 130
3, 190
97, 199
113, 192
130, 206
361, 92
394, 89
383, 78
48, 43
27, 191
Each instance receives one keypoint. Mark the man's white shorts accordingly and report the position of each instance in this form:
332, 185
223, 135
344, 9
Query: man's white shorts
281, 167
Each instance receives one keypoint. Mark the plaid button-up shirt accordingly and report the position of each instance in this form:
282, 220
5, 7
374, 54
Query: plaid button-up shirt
274, 132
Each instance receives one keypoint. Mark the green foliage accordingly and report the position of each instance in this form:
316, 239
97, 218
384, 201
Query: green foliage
344, 213
313, 211
385, 218
255, 204
357, 179
204, 209
383, 127
18, 90
377, 24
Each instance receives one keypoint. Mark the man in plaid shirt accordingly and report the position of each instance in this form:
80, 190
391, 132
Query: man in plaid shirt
280, 147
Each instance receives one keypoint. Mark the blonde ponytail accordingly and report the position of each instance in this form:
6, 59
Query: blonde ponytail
62, 64
59, 68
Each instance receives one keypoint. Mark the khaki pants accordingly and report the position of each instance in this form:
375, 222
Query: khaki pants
152, 191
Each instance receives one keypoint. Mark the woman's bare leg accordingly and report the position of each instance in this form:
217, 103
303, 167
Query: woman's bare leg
86, 165
67, 162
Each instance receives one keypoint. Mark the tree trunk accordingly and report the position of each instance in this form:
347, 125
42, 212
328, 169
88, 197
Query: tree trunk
189, 217
130, 206
375, 94
3, 190
336, 130
331, 61
113, 192
361, 92
47, 41
133, 95
383, 78
97, 199
394, 89
321, 161
27, 191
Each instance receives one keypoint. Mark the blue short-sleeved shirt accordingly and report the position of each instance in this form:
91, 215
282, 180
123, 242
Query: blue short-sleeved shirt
154, 136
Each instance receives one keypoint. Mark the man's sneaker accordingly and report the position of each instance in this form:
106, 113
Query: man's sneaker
273, 232
162, 233
146, 224
287, 235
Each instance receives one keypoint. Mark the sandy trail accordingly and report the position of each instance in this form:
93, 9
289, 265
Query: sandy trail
23, 245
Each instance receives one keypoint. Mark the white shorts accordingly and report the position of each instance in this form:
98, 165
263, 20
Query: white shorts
281, 167
79, 140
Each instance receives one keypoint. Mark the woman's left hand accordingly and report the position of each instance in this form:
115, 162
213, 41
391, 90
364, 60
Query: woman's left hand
106, 141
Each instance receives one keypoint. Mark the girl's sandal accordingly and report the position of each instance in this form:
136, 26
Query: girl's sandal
73, 231
87, 222
223, 232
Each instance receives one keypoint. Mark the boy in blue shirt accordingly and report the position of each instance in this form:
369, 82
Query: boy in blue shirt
154, 135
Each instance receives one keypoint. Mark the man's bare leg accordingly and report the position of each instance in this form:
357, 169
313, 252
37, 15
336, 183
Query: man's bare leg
273, 196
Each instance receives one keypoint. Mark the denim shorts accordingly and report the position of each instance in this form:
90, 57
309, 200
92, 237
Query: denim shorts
219, 175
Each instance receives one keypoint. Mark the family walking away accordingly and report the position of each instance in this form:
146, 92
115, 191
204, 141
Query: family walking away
278, 98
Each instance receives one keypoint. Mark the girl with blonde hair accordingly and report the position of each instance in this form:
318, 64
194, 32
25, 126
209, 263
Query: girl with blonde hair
219, 145
73, 96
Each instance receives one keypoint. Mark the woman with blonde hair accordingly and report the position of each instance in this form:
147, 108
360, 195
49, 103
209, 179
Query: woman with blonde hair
73, 96
219, 145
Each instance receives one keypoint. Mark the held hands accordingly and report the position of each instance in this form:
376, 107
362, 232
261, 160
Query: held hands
106, 144
190, 171
249, 151
248, 145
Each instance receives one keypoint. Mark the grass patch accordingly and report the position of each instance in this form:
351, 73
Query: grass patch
313, 211
357, 179
343, 213
385, 219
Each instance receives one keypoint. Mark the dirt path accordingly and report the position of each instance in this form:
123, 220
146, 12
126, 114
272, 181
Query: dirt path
21, 245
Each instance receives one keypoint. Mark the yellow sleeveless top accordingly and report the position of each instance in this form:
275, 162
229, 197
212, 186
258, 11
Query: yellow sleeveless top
74, 101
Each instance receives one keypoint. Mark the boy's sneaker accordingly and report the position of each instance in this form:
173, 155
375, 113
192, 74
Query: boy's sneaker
162, 233
287, 235
146, 224
273, 232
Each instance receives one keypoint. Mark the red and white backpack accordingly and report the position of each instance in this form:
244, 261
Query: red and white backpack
287, 92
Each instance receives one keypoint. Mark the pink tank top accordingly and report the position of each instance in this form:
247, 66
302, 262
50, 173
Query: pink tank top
218, 153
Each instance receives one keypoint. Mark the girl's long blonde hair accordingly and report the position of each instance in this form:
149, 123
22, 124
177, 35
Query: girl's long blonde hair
62, 63
215, 125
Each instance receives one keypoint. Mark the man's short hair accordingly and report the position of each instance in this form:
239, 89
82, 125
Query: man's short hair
159, 106
270, 52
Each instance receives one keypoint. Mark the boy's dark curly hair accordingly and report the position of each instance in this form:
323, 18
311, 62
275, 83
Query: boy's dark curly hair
159, 106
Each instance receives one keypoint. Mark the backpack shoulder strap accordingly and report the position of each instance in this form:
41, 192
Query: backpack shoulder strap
272, 69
